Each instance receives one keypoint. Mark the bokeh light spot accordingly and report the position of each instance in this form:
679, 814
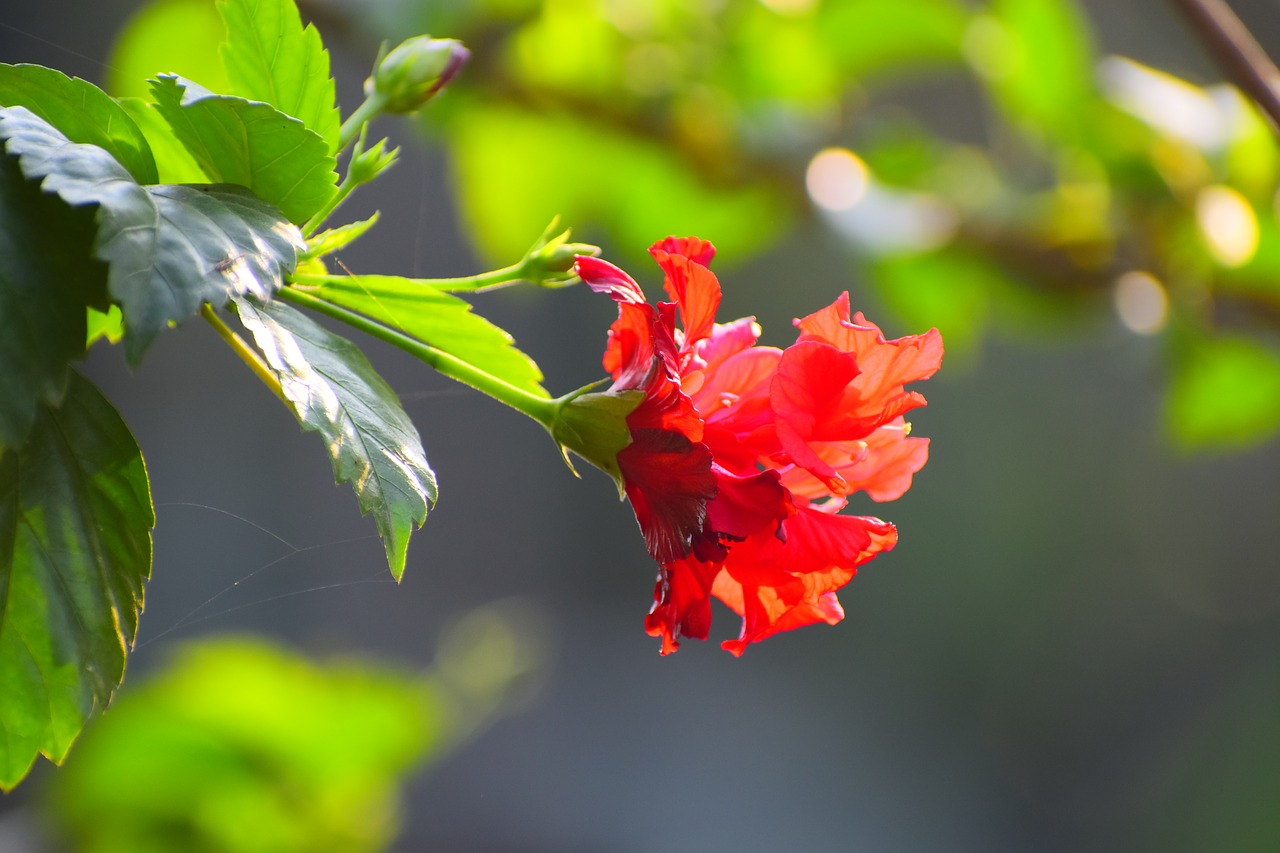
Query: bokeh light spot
836, 179
1228, 224
1141, 302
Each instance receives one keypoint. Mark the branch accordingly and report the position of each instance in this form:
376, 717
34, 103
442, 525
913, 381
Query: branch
1237, 51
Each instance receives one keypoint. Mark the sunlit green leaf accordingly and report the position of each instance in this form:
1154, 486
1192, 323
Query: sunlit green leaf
75, 550
250, 143
169, 248
438, 319
168, 37
333, 239
173, 162
109, 325
333, 390
1226, 393
81, 111
47, 277
269, 57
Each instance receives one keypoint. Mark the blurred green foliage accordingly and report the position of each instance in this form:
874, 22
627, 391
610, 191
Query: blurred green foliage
1013, 174
238, 744
1008, 177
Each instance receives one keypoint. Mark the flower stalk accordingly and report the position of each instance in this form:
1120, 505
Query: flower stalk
541, 409
246, 353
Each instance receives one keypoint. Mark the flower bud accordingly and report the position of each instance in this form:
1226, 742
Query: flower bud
369, 163
408, 76
550, 261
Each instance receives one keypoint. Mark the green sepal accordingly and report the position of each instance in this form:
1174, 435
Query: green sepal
593, 425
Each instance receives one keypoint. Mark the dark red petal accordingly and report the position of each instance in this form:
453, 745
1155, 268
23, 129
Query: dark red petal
681, 603
745, 505
669, 481
694, 248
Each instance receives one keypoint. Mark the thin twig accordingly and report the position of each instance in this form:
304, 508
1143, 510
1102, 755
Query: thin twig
1237, 51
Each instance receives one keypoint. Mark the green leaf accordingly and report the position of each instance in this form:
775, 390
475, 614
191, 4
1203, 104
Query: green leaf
334, 239
167, 37
82, 112
75, 551
1226, 393
1037, 57
305, 756
868, 37
269, 57
515, 170
109, 325
437, 319
250, 143
173, 162
169, 248
334, 391
47, 277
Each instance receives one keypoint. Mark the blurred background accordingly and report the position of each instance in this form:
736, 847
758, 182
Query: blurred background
1073, 647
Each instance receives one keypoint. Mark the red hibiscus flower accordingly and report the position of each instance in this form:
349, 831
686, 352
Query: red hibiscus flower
742, 456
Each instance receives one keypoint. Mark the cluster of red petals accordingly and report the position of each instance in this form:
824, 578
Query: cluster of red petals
742, 456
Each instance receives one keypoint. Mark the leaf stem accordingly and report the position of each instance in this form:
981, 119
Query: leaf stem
1237, 51
247, 353
340, 195
491, 280
541, 409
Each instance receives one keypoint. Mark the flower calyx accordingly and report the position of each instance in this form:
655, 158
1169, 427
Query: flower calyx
593, 424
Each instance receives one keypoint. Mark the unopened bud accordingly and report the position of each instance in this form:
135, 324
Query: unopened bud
408, 76
550, 261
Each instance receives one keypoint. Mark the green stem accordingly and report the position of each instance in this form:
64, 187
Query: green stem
344, 189
477, 283
365, 113
541, 409
247, 354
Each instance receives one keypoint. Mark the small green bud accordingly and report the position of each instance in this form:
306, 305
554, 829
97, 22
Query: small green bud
549, 261
367, 164
408, 76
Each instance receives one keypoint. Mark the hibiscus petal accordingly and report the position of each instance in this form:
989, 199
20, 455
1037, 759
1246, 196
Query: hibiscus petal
892, 457
881, 465
694, 248
746, 505
681, 603
668, 480
603, 277
695, 289
890, 363
805, 394
726, 339
777, 586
